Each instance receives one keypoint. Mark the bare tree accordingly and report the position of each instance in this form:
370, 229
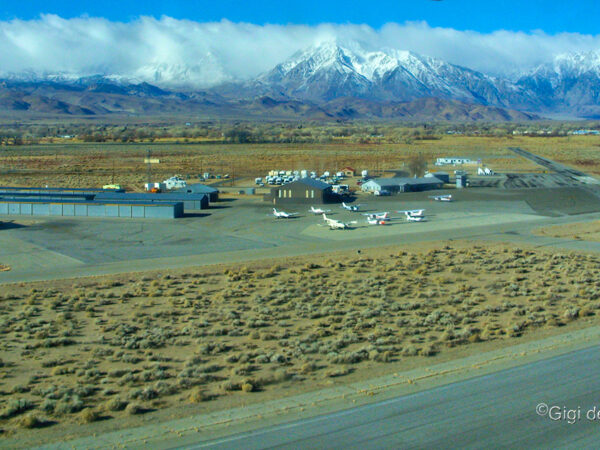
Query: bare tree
417, 165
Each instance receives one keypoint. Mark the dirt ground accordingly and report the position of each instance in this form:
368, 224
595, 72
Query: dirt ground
116, 348
585, 231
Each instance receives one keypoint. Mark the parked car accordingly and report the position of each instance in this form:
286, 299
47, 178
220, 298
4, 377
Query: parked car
382, 193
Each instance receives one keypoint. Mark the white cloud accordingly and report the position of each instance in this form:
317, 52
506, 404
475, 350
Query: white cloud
170, 51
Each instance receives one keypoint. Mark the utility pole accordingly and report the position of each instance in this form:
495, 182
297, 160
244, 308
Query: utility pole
149, 173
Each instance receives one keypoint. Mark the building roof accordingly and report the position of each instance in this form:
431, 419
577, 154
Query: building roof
403, 181
58, 201
147, 196
311, 182
433, 174
54, 189
197, 188
454, 157
348, 168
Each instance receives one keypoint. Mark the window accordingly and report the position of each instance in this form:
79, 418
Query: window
312, 193
279, 193
307, 193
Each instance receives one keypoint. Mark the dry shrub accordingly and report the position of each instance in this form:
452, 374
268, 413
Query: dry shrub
230, 385
198, 396
428, 350
116, 404
247, 387
15, 407
571, 314
88, 415
133, 409
308, 367
410, 350
31, 421
338, 372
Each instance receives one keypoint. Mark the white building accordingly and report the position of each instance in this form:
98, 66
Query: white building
454, 160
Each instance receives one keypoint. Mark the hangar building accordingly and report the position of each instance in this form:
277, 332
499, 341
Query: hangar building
97, 203
190, 201
401, 184
198, 188
305, 190
90, 208
443, 176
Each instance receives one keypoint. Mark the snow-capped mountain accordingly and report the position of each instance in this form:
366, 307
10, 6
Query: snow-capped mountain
571, 82
333, 70
340, 72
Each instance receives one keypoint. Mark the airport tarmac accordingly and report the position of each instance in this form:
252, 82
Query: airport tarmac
244, 229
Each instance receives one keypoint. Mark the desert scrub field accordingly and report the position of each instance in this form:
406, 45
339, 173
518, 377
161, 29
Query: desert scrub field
109, 347
96, 164
584, 231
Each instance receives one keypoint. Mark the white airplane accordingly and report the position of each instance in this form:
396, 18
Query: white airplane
336, 224
413, 212
411, 218
350, 207
318, 210
282, 214
381, 215
375, 221
442, 198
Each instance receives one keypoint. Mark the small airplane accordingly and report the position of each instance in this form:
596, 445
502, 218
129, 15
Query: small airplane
376, 221
336, 224
412, 218
350, 207
413, 212
381, 215
282, 214
442, 198
318, 210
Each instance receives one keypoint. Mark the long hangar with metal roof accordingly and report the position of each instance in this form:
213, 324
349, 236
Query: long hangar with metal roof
98, 203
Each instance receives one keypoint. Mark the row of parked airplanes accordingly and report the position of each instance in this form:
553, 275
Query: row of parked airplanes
381, 218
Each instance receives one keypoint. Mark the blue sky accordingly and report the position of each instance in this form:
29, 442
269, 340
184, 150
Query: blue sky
551, 16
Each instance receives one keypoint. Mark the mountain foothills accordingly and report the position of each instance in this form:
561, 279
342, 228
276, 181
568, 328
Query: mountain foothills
329, 81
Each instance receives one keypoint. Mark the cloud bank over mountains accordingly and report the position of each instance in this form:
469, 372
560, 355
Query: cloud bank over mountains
173, 52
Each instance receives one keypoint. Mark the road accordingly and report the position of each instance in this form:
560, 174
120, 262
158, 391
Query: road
549, 164
497, 410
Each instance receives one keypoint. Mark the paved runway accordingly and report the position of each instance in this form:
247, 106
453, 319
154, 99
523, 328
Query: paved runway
497, 411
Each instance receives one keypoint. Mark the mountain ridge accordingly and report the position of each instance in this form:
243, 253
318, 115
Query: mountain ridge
322, 78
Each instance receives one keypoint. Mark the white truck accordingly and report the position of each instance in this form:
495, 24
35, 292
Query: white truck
175, 182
